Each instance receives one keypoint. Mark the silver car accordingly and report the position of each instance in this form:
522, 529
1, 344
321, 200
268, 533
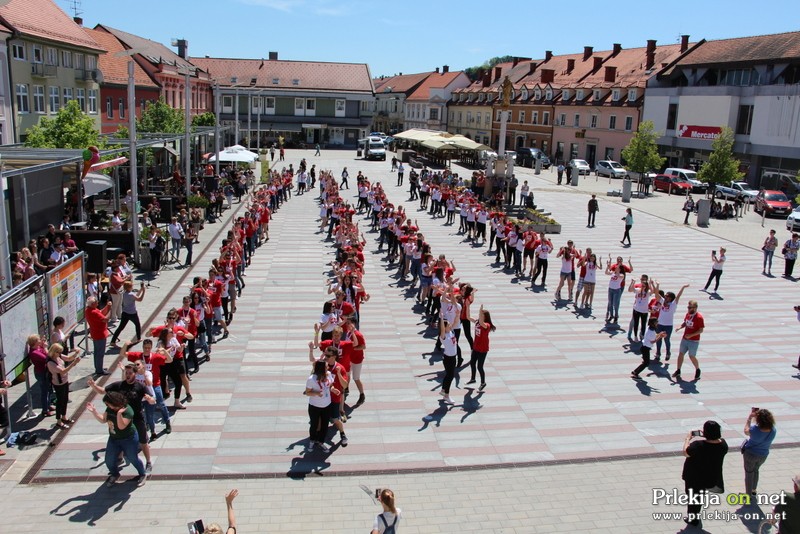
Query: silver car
580, 166
610, 168
793, 220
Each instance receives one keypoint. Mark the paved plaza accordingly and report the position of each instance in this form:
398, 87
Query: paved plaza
560, 440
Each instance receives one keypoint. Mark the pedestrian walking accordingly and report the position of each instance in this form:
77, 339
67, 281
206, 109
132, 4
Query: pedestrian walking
480, 346
560, 172
386, 521
400, 171
593, 209
345, 176
316, 147
628, 218
769, 246
447, 338
702, 470
272, 153
692, 326
129, 312
717, 262
789, 251
648, 340
281, 154
760, 431
688, 208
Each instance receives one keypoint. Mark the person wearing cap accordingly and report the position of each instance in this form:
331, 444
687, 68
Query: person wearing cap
789, 510
702, 469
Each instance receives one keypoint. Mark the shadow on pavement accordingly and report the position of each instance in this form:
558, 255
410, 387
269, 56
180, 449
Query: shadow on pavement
92, 507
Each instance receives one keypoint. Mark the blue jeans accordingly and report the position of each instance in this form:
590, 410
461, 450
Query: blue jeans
150, 409
45, 390
768, 259
614, 296
129, 447
668, 330
99, 352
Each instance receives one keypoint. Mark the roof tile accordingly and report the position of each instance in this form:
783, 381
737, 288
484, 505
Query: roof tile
45, 20
758, 48
115, 68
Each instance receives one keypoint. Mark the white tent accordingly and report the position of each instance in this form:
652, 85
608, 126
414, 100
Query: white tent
96, 183
236, 156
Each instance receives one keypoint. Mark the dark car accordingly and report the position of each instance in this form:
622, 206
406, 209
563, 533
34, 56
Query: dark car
671, 184
527, 157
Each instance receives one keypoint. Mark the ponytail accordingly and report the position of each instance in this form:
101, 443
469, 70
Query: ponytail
387, 498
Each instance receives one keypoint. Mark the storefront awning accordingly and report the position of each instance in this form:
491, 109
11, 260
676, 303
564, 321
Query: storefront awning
315, 126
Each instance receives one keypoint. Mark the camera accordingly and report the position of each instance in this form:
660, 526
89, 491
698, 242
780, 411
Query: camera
378, 493
196, 527
755, 408
797, 308
697, 433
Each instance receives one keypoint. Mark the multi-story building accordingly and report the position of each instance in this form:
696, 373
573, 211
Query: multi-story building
301, 101
750, 84
168, 70
597, 113
53, 60
426, 106
114, 110
6, 96
391, 93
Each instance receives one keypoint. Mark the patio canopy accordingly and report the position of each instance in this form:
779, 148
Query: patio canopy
237, 156
438, 144
438, 140
96, 183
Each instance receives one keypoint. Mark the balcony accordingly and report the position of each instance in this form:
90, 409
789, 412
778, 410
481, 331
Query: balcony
44, 71
86, 75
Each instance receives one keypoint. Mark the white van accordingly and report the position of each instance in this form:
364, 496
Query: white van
373, 148
690, 176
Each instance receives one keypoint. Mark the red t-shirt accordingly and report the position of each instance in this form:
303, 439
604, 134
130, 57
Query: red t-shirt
481, 341
189, 317
215, 298
336, 399
345, 310
356, 356
692, 323
153, 363
345, 351
98, 325
264, 217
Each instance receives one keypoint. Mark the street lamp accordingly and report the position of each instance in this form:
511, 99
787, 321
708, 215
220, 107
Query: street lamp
216, 127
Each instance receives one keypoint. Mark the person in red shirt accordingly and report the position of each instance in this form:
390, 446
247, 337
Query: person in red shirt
356, 356
97, 319
153, 362
693, 325
480, 347
175, 369
336, 413
187, 318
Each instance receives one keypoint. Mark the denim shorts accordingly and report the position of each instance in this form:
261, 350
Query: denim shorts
689, 347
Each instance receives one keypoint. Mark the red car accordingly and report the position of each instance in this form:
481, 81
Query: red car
671, 184
772, 203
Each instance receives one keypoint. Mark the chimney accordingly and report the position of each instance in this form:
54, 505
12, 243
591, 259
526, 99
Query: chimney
497, 72
78, 21
617, 49
437, 70
547, 75
445, 69
684, 43
570, 65
651, 54
548, 55
273, 56
587, 52
598, 62
532, 68
487, 78
183, 48
514, 62
611, 74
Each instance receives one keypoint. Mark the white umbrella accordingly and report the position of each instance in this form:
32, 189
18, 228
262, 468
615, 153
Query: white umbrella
96, 183
237, 156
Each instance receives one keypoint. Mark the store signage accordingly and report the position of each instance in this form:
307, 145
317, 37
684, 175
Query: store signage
690, 131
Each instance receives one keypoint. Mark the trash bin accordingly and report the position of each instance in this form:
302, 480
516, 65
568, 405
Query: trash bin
575, 177
703, 212
626, 189
358, 153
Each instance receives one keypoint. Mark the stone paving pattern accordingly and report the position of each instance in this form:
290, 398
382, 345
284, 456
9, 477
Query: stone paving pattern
558, 390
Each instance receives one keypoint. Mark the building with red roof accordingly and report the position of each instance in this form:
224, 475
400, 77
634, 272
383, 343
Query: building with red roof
391, 93
426, 106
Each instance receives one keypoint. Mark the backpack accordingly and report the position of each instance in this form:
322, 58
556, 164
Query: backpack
387, 528
160, 243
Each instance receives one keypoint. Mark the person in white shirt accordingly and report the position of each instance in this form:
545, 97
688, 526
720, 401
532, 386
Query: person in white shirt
716, 268
641, 307
666, 318
176, 236
650, 337
390, 516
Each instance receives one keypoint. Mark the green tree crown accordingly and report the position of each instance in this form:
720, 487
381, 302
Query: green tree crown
641, 154
71, 128
161, 118
721, 167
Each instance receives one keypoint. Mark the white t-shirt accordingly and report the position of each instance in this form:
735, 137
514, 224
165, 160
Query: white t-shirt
649, 338
390, 520
641, 302
718, 264
591, 273
616, 281
317, 386
449, 344
542, 251
452, 314
666, 316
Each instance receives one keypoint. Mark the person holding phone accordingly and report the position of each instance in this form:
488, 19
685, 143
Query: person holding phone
702, 469
59, 367
760, 431
215, 528
387, 520
716, 268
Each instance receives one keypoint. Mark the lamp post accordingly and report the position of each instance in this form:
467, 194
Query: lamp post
249, 118
260, 101
187, 139
216, 128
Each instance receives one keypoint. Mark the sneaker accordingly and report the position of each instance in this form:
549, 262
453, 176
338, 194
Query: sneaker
448, 400
111, 480
148, 468
676, 374
442, 393
168, 429
153, 437
796, 366
343, 417
667, 358
482, 386
189, 398
141, 480
323, 446
697, 374
361, 399
343, 439
472, 381
635, 376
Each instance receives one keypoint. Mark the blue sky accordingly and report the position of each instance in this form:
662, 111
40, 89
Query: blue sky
415, 36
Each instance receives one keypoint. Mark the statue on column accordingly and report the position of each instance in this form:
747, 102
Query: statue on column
507, 88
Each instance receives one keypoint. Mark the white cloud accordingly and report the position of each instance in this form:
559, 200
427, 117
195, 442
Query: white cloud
286, 6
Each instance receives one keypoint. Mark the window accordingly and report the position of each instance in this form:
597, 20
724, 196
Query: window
615, 95
93, 101
745, 120
451, 117
67, 95
339, 108
612, 122
91, 62
311, 104
66, 59
522, 117
121, 107
548, 95
487, 118
22, 98
739, 77
79, 61
276, 81
672, 116
573, 150
609, 154
38, 99
38, 57
565, 95
579, 94
597, 94
593, 123
535, 117
296, 81
18, 51
433, 115
269, 105
524, 95
255, 105
469, 117
52, 56
628, 124
577, 122
299, 106
55, 100
499, 115
80, 96
478, 118
546, 118
537, 94
109, 107
562, 119
544, 146
631, 95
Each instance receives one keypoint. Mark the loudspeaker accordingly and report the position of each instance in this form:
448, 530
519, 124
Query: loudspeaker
166, 208
96, 256
211, 183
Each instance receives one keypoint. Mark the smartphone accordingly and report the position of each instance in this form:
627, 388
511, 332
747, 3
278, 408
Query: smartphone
196, 527
754, 408
378, 492
697, 433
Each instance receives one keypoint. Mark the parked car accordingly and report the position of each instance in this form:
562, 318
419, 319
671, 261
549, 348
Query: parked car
734, 189
671, 184
690, 176
527, 157
545, 162
772, 202
793, 220
580, 165
512, 154
612, 169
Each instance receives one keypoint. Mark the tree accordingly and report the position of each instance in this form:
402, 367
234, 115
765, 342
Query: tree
161, 118
472, 72
71, 128
204, 119
721, 167
641, 154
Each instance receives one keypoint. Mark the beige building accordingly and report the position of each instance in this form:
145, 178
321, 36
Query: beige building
52, 61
